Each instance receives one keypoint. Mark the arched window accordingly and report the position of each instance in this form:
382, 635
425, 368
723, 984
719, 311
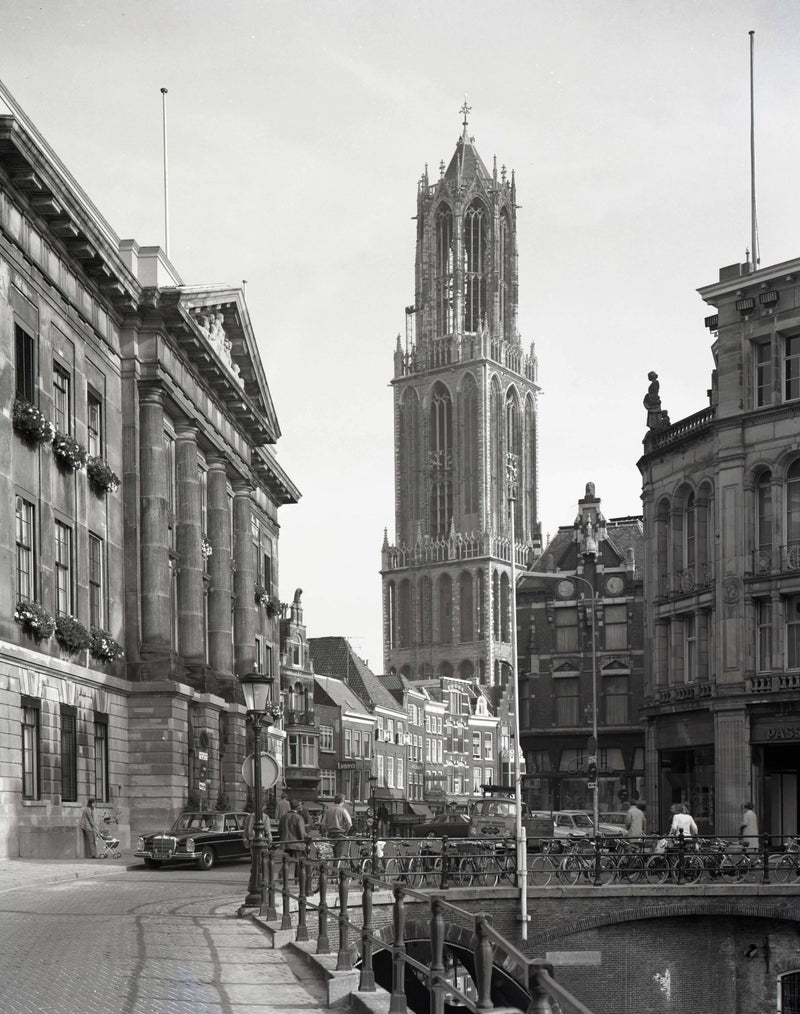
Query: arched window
505, 611
662, 549
480, 604
528, 477
466, 670
441, 461
466, 612
475, 242
514, 452
443, 280
506, 280
789, 993
391, 615
445, 609
763, 532
409, 466
497, 456
470, 420
404, 614
424, 607
793, 511
496, 605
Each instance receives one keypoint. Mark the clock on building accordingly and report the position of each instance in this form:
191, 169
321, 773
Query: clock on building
615, 585
565, 589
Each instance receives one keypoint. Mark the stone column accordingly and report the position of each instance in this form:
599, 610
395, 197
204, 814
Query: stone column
220, 641
244, 641
191, 641
154, 535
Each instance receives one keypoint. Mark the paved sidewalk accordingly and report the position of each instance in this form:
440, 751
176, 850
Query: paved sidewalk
225, 969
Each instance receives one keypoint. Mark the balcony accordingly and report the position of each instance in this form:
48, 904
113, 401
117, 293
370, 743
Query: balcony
293, 718
301, 777
772, 683
689, 581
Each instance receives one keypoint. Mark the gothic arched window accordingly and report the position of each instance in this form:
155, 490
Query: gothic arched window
497, 456
514, 453
466, 614
403, 614
496, 605
443, 281
505, 261
528, 477
469, 428
793, 508
480, 601
691, 530
763, 532
445, 609
408, 451
476, 228
440, 433
391, 614
505, 611
424, 606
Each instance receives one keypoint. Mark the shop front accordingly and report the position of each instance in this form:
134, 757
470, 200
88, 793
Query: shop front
686, 770
775, 744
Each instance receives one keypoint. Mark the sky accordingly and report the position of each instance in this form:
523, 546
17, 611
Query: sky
297, 132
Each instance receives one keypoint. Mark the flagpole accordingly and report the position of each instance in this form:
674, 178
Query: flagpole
753, 222
166, 182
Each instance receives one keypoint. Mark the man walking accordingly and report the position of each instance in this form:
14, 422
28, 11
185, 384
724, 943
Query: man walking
748, 830
336, 823
292, 833
635, 822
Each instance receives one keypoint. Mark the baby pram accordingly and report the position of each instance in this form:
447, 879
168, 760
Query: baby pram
107, 845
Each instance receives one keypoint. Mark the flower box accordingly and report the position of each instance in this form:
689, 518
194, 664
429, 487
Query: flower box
261, 595
103, 646
31, 424
69, 452
101, 475
71, 634
34, 620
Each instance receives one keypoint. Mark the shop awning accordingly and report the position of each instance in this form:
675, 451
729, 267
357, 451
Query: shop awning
420, 809
384, 793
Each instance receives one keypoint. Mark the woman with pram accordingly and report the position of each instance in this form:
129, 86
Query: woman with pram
89, 829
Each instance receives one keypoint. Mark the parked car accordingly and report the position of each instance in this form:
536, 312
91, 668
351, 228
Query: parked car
617, 817
454, 825
201, 837
569, 823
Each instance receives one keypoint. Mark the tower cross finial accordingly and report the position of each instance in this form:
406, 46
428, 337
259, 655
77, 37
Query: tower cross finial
465, 110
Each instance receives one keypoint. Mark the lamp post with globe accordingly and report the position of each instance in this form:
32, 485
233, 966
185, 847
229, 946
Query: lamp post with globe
261, 713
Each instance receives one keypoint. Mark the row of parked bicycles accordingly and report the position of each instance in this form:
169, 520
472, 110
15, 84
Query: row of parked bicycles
489, 862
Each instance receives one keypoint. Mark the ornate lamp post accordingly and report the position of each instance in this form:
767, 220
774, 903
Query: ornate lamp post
373, 781
261, 712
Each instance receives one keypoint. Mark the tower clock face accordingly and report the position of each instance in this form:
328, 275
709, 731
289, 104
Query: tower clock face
565, 589
615, 585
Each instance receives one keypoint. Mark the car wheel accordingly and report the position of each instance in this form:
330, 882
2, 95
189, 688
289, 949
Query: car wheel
206, 859
152, 864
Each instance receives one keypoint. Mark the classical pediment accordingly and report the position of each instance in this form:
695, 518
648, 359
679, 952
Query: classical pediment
568, 667
612, 666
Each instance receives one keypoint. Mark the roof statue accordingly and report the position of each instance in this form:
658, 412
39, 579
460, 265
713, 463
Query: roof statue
657, 418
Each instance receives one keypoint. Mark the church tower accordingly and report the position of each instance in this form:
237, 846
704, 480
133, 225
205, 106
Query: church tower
465, 434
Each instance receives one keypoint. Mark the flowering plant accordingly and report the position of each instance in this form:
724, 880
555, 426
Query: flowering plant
71, 634
262, 595
68, 451
103, 646
30, 423
273, 606
34, 619
206, 548
101, 475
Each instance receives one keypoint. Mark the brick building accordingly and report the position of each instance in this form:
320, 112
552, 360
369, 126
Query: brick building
464, 421
147, 523
562, 677
721, 492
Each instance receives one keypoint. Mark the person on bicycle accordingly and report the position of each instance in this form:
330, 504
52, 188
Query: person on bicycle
682, 820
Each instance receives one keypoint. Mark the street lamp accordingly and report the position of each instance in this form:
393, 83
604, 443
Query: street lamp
373, 781
519, 828
261, 712
592, 761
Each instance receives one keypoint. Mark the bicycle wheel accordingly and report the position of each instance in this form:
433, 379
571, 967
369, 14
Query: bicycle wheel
415, 874
733, 867
630, 868
787, 872
542, 870
460, 874
571, 869
693, 868
657, 869
394, 869
488, 872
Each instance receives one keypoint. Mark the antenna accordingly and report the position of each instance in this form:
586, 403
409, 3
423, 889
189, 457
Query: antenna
754, 251
166, 177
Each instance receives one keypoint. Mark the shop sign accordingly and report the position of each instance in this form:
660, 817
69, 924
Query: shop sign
346, 765
780, 732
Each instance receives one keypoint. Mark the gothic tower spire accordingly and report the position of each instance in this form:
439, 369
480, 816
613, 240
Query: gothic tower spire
465, 418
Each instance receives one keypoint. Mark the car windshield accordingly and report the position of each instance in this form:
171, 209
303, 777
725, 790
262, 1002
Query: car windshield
198, 822
613, 818
582, 820
495, 808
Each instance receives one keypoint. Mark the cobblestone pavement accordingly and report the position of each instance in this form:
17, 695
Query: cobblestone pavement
80, 937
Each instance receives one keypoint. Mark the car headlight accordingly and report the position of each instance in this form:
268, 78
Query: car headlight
190, 844
139, 844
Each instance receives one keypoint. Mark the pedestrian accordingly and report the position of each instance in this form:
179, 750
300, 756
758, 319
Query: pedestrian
383, 821
682, 821
89, 828
336, 823
749, 826
292, 833
250, 824
635, 822
283, 806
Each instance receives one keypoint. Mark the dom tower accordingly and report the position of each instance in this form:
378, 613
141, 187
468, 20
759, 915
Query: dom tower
465, 434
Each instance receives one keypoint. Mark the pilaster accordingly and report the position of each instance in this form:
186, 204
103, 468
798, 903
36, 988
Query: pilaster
220, 605
191, 634
244, 580
155, 598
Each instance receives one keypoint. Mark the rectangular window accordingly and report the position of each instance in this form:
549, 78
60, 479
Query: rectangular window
616, 627
567, 701
488, 746
26, 364
348, 742
380, 769
94, 425
762, 356
69, 754
615, 697
793, 633
566, 629
327, 784
439, 748
31, 740
96, 582
101, 757
476, 745
326, 738
399, 773
367, 745
63, 565
390, 772
791, 367
356, 743
301, 750
267, 572
25, 531
62, 416
690, 635
763, 636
